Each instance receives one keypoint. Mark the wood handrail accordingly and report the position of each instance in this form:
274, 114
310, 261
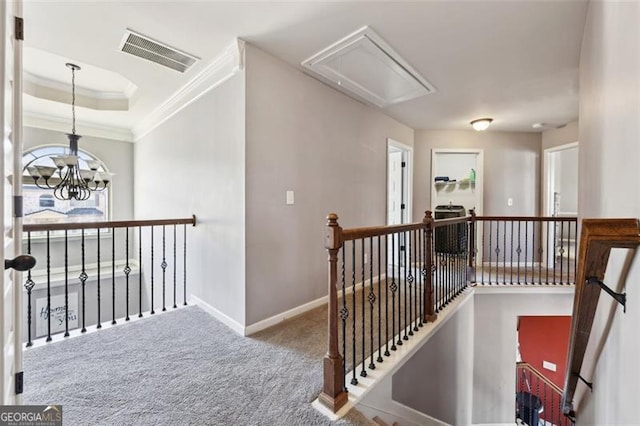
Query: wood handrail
539, 375
528, 218
108, 224
597, 238
375, 231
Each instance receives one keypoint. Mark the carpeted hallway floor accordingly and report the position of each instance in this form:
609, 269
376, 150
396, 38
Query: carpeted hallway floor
185, 368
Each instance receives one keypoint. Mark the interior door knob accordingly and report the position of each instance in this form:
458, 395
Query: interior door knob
23, 262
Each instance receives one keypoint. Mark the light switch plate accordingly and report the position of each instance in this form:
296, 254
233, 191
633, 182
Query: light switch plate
290, 198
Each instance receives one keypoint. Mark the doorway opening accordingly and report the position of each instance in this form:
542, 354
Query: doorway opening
399, 182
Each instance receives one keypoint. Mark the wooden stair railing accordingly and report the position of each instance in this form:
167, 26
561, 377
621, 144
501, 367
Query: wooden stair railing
597, 238
543, 388
407, 273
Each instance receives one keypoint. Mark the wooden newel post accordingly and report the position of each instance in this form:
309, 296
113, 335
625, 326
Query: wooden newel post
429, 310
333, 392
472, 245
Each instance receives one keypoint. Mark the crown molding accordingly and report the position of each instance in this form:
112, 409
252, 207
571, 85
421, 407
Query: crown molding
41, 121
223, 67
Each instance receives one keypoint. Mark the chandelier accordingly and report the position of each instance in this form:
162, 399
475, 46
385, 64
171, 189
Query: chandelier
67, 179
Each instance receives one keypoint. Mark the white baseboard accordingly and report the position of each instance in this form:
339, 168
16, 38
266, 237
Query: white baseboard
223, 318
276, 319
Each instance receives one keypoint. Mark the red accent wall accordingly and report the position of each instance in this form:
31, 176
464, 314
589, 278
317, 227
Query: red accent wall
545, 338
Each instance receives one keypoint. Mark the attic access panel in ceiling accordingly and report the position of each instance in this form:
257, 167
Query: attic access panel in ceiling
362, 65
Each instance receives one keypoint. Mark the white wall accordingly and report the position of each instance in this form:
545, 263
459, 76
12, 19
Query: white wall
562, 136
194, 163
511, 168
495, 343
437, 379
331, 150
609, 158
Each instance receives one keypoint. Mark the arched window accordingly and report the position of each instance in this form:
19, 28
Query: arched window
40, 206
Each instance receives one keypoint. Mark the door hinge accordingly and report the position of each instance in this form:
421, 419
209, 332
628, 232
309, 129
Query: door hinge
404, 164
402, 206
19, 28
19, 382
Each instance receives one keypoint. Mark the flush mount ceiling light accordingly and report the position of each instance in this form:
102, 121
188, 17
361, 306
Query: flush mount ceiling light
66, 178
363, 66
538, 125
481, 124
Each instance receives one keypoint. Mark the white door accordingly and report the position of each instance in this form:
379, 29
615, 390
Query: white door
11, 116
395, 189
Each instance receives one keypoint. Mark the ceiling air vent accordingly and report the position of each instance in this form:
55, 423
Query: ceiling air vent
143, 47
363, 66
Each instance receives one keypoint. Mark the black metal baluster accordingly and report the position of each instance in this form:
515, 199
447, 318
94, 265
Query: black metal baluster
533, 253
540, 251
113, 276
511, 256
363, 372
548, 252
83, 280
354, 380
66, 284
484, 232
140, 272
386, 294
344, 314
98, 325
127, 271
415, 276
526, 249
175, 264
372, 299
184, 264
152, 266
405, 243
29, 284
379, 303
423, 272
408, 267
555, 250
561, 251
519, 251
48, 287
490, 249
399, 272
164, 265
504, 251
394, 287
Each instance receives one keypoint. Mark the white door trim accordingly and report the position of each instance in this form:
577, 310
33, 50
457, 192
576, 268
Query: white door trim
408, 150
547, 174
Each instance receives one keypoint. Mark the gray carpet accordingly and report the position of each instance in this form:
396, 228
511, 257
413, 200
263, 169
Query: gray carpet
183, 368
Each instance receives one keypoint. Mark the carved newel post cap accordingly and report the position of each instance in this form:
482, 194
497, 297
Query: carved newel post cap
332, 219
427, 216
